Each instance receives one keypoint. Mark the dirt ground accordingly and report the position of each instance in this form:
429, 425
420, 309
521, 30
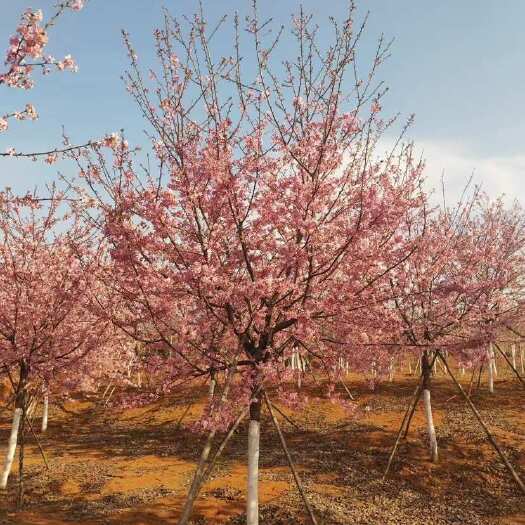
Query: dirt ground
133, 467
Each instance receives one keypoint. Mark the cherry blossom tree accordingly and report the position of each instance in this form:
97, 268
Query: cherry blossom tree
269, 210
46, 262
460, 285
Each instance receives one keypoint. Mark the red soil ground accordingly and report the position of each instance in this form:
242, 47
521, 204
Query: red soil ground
132, 467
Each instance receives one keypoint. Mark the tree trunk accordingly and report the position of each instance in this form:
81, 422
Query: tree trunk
254, 433
490, 368
20, 497
11, 447
522, 359
18, 415
513, 352
45, 412
493, 355
425, 367
213, 384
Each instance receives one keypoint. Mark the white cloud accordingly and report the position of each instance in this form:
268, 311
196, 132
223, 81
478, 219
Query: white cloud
497, 175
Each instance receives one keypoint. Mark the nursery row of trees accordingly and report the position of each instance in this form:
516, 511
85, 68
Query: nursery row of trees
265, 225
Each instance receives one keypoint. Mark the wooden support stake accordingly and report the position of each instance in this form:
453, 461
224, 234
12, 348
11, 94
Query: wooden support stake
289, 458
509, 363
347, 390
410, 410
493, 442
471, 384
37, 442
295, 425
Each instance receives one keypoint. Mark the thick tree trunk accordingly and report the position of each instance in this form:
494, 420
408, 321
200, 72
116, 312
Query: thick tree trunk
493, 354
20, 497
45, 412
490, 368
254, 434
11, 447
18, 416
431, 431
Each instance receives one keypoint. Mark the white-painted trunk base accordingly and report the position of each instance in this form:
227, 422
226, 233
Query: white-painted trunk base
252, 501
431, 431
490, 367
11, 448
45, 413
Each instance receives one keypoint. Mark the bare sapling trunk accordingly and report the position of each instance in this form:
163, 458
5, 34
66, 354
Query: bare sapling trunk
254, 434
431, 431
490, 368
45, 412
15, 425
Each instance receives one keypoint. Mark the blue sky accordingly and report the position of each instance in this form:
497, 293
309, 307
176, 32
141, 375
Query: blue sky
458, 65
